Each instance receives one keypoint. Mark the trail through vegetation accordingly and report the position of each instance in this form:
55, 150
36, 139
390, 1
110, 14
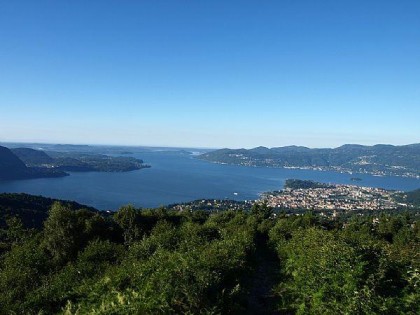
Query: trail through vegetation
157, 261
262, 298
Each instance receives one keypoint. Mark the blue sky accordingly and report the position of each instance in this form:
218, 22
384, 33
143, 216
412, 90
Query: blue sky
210, 73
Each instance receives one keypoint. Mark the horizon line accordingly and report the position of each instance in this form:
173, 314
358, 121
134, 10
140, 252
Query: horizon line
195, 147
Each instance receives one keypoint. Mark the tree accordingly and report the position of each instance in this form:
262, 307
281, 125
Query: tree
62, 233
262, 210
15, 231
126, 217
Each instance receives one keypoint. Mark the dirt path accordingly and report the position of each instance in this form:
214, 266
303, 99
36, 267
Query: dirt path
261, 299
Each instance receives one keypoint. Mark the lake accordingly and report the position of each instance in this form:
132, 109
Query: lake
176, 176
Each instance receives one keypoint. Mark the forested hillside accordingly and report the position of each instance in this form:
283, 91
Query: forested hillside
31, 210
26, 163
33, 157
378, 159
160, 261
78, 162
11, 167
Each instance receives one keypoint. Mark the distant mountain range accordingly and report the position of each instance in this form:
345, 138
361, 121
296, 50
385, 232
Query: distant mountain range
379, 159
25, 163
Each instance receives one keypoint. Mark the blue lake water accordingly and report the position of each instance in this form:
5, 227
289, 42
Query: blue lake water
177, 177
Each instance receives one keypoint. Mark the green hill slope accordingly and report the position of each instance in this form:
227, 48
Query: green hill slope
32, 210
11, 168
32, 157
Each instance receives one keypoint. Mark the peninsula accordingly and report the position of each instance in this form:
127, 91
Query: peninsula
26, 163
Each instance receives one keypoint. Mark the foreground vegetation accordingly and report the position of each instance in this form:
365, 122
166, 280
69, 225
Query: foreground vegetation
231, 262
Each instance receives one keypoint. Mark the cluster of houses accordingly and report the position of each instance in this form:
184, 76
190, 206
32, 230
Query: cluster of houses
336, 197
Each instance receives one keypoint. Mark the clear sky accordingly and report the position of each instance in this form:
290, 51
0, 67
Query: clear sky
210, 73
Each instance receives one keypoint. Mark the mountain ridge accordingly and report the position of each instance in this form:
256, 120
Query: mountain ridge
379, 159
12, 167
26, 163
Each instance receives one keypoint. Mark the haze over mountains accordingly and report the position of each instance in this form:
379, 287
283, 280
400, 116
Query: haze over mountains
379, 159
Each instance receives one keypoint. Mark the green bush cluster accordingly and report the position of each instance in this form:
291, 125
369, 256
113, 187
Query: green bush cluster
135, 262
366, 266
161, 261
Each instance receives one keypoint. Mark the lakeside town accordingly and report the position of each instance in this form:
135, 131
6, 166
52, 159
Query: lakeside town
334, 197
302, 195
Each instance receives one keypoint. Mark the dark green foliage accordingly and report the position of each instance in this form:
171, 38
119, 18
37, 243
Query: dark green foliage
21, 272
262, 210
127, 218
303, 184
159, 261
66, 231
88, 162
411, 197
15, 231
364, 268
32, 210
